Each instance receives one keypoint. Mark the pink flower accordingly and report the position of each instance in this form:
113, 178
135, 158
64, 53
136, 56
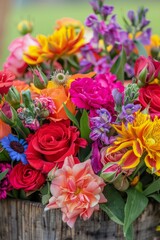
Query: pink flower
95, 93
76, 190
5, 185
15, 62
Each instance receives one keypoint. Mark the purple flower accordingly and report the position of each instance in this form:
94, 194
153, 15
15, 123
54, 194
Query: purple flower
102, 66
129, 70
106, 11
5, 185
132, 17
144, 38
100, 125
95, 158
95, 5
91, 20
118, 96
128, 110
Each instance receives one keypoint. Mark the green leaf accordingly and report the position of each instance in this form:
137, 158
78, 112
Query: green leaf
114, 206
45, 191
141, 48
84, 125
4, 156
136, 203
118, 66
71, 116
153, 187
130, 233
3, 174
156, 197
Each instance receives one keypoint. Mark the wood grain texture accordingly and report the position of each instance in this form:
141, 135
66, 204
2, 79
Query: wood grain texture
24, 220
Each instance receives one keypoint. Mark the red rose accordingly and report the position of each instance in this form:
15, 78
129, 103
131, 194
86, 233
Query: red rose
27, 178
149, 97
51, 144
6, 81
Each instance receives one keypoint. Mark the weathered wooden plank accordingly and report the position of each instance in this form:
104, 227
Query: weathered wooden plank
24, 220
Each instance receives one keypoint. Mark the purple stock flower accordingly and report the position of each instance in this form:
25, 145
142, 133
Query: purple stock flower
106, 10
95, 158
144, 38
129, 70
118, 96
95, 5
144, 22
131, 16
128, 110
91, 20
5, 185
102, 66
100, 125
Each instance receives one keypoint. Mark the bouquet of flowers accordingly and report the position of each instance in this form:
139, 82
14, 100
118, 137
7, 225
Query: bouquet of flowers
79, 117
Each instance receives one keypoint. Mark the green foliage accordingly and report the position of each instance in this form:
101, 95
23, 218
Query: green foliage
71, 116
3, 174
115, 205
136, 203
153, 187
84, 125
118, 66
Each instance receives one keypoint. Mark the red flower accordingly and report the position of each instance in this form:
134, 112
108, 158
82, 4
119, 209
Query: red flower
51, 144
149, 97
27, 178
146, 69
6, 80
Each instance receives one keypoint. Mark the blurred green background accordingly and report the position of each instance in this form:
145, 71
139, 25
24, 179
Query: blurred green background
43, 14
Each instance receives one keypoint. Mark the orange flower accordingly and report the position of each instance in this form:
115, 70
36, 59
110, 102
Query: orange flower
59, 94
76, 190
68, 22
5, 129
64, 42
20, 85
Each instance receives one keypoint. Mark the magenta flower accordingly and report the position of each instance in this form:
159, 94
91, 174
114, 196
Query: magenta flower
95, 93
5, 185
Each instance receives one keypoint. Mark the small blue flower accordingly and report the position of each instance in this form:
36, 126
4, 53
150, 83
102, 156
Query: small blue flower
15, 148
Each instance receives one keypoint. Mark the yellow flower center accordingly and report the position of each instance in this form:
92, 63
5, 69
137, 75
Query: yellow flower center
78, 190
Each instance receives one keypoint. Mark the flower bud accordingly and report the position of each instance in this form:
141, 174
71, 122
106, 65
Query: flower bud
110, 172
121, 183
8, 114
13, 97
25, 27
40, 80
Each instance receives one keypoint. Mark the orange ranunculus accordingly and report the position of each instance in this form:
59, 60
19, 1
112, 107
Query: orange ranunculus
20, 85
59, 94
68, 22
5, 129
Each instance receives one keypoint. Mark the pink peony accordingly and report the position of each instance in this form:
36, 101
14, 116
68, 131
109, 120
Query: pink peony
15, 62
76, 190
95, 93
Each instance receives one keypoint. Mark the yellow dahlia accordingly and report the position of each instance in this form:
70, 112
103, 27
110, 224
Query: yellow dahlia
64, 42
130, 138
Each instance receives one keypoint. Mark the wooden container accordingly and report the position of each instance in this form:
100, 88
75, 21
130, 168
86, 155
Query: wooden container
25, 220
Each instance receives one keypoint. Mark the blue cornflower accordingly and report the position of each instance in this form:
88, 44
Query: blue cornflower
15, 148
